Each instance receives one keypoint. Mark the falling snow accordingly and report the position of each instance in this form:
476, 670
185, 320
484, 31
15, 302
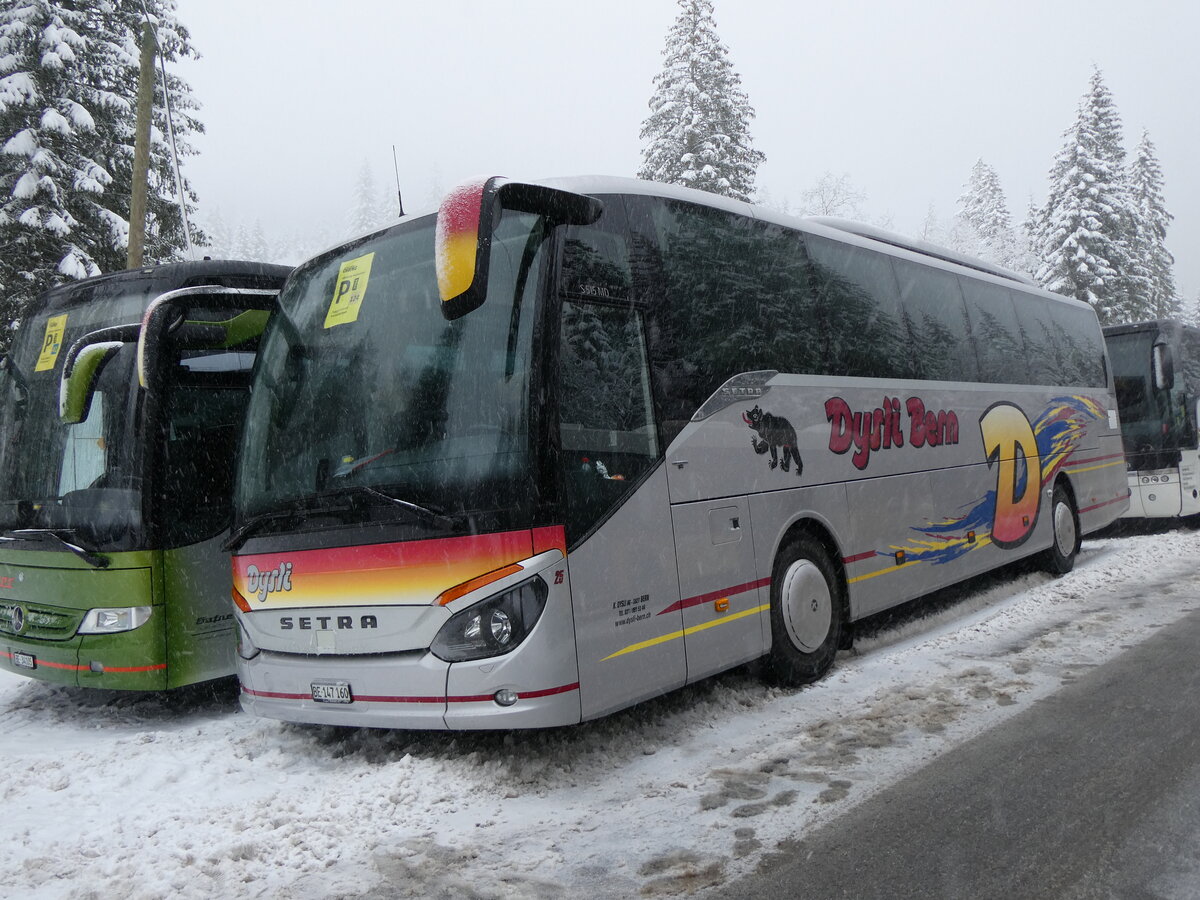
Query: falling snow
183, 795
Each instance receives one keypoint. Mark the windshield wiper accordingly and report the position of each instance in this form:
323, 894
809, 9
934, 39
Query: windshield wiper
430, 515
244, 531
95, 560
326, 503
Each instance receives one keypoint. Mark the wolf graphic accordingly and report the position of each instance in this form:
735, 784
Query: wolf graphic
774, 432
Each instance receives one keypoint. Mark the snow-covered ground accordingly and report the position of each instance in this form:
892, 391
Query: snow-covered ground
181, 795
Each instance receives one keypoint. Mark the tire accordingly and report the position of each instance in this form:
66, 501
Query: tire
808, 613
1065, 537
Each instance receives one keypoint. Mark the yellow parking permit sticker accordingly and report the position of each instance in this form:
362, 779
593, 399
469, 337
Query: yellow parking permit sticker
348, 293
56, 327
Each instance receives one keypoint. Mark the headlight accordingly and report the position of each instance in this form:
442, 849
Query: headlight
111, 621
246, 648
494, 626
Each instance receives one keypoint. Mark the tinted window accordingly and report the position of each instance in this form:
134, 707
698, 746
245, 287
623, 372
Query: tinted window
995, 332
1048, 357
203, 412
935, 320
1082, 345
596, 258
607, 417
720, 299
858, 306
728, 294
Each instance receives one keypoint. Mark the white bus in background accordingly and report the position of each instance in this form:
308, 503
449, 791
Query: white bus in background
567, 446
1156, 369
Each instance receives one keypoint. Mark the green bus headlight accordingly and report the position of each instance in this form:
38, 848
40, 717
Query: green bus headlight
112, 621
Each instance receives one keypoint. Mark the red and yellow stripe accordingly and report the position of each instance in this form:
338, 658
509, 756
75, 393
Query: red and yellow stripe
405, 573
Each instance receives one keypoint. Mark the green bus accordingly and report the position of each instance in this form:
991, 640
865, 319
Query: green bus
121, 405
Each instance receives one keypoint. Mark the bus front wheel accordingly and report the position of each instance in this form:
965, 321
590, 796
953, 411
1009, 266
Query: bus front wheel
1064, 544
808, 610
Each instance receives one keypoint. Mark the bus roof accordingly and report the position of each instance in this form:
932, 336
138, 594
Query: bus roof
837, 229
1167, 325
230, 273
842, 230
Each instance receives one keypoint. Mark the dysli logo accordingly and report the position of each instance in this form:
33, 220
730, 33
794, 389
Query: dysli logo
262, 584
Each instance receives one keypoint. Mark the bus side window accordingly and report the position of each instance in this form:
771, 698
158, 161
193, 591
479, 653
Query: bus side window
723, 294
995, 333
202, 429
1049, 345
1084, 352
607, 425
857, 297
935, 320
596, 258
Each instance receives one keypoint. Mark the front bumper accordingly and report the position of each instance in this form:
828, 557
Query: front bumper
406, 690
128, 661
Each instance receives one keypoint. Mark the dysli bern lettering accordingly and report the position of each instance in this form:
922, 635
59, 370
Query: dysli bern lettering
881, 428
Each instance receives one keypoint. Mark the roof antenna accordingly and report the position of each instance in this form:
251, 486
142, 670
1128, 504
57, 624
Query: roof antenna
399, 199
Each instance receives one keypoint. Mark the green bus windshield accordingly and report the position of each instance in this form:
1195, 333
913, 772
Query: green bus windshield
83, 478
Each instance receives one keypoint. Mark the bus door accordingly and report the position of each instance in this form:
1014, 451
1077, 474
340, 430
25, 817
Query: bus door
624, 586
205, 403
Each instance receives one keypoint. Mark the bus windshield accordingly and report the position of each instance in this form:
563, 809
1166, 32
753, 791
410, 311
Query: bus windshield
1130, 356
366, 398
85, 478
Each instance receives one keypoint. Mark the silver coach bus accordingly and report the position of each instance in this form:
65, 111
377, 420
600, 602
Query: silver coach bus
564, 447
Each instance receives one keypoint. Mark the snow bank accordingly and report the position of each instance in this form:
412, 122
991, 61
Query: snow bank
182, 795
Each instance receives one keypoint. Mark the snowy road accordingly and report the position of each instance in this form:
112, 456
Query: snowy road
182, 795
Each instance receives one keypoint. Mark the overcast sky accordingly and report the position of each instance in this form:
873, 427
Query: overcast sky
903, 97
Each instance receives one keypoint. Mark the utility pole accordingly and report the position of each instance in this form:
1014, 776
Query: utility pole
141, 150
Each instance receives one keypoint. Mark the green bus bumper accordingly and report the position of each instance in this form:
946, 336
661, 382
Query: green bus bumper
129, 661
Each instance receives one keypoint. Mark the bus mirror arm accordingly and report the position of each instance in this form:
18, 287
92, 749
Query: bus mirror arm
466, 220
168, 314
561, 207
82, 366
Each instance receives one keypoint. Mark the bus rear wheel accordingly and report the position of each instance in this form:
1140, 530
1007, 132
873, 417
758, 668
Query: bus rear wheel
808, 613
1065, 540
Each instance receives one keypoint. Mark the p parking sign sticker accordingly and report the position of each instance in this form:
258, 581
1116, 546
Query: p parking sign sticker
348, 290
56, 327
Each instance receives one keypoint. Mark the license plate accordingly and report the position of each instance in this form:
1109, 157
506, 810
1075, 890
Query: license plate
331, 692
24, 660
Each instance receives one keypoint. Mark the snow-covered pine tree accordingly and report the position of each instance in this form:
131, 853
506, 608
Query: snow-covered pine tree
68, 79
1084, 228
220, 236
698, 130
257, 248
1190, 311
367, 212
1157, 296
983, 226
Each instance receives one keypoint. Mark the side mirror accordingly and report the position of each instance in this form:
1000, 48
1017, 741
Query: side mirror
466, 220
167, 317
1163, 365
78, 383
82, 365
